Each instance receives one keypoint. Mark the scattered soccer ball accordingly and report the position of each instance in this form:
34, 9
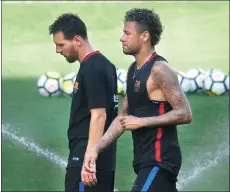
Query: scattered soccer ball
121, 80
216, 84
49, 84
184, 82
196, 77
120, 88
226, 83
122, 75
68, 83
213, 70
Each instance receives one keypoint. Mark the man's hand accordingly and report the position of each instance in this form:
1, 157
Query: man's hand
88, 179
88, 172
130, 122
90, 160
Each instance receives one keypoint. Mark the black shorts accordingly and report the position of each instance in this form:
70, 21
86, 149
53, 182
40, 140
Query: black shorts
73, 182
154, 179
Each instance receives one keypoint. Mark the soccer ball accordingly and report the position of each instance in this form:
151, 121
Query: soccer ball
68, 83
216, 84
226, 83
49, 84
183, 81
120, 87
213, 70
196, 77
121, 80
122, 75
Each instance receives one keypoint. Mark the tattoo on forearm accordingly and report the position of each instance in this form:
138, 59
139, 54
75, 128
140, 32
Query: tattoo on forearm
170, 118
124, 106
114, 132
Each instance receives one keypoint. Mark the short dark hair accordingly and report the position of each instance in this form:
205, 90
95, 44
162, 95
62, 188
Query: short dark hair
146, 20
70, 24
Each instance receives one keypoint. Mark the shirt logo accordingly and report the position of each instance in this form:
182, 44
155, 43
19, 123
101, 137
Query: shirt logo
115, 100
75, 158
75, 87
137, 86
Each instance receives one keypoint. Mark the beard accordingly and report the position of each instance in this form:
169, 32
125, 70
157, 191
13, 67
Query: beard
71, 59
130, 52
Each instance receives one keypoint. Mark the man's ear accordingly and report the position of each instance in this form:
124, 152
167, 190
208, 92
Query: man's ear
145, 36
77, 40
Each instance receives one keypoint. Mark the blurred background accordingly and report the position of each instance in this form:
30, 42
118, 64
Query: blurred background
34, 126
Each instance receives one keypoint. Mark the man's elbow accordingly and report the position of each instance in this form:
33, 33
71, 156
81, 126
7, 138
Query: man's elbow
188, 117
98, 117
184, 116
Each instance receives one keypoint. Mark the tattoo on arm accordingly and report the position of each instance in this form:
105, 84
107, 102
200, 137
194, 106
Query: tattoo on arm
115, 130
124, 107
167, 80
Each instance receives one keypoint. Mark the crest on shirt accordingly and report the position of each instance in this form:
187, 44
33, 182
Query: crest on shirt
75, 87
137, 86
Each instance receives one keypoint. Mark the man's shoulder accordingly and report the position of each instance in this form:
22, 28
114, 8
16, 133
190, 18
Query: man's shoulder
98, 60
98, 64
163, 68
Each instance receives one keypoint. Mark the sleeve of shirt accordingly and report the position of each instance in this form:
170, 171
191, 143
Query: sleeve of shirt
95, 85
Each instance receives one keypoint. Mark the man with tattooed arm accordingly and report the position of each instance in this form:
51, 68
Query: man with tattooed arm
153, 107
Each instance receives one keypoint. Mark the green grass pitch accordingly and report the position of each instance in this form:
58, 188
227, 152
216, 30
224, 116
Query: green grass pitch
34, 129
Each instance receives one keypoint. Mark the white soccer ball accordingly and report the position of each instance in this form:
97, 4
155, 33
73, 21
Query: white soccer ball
184, 82
196, 77
226, 83
120, 87
68, 83
213, 70
121, 80
49, 84
216, 84
122, 75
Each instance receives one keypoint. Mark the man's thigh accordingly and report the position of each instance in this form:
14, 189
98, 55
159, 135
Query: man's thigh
154, 179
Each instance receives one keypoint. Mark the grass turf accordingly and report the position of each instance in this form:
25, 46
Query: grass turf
194, 37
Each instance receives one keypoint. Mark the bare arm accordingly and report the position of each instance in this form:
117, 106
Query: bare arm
164, 77
114, 131
97, 123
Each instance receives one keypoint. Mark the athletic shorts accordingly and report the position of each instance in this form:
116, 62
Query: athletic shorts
73, 182
154, 179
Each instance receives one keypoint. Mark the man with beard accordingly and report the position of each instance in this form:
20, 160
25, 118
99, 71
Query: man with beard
153, 106
94, 105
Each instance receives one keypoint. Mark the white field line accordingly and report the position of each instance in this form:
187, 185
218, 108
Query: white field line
31, 146
212, 159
